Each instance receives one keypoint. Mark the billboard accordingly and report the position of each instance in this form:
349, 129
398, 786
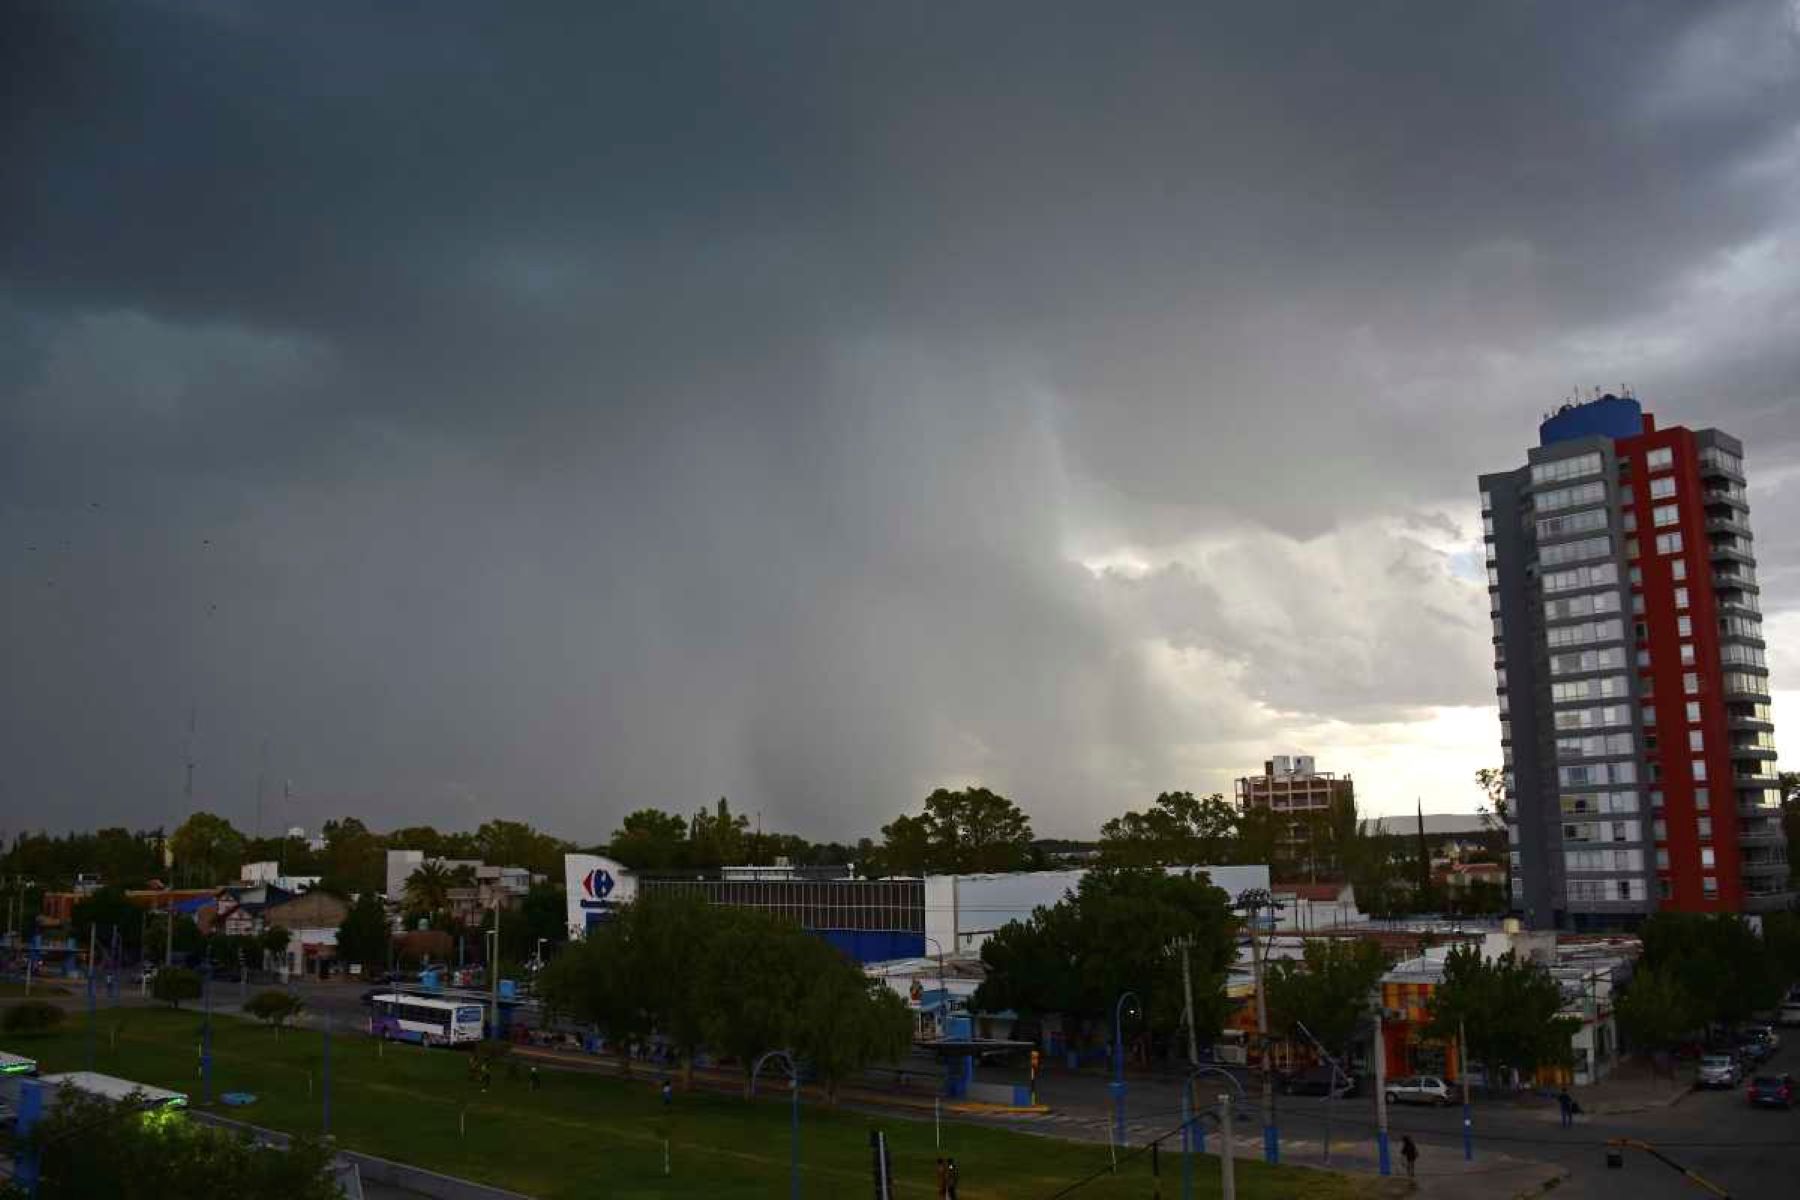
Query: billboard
595, 886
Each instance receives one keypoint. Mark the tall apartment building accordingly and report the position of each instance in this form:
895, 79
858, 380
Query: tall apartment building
1634, 696
1291, 785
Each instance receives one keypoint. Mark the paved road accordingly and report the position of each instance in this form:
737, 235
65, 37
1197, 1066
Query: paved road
1750, 1152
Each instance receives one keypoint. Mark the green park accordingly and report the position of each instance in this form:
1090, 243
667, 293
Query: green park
580, 1133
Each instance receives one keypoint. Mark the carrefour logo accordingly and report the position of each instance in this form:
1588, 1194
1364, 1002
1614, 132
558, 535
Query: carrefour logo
598, 883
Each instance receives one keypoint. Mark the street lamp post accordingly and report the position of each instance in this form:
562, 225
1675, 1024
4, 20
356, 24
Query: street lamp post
794, 1107
206, 1030
1462, 1054
1253, 902
1119, 1065
1383, 1163
943, 996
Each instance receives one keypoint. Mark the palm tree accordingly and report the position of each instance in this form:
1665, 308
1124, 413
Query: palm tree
428, 888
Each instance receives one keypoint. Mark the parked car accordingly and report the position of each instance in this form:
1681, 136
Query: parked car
1420, 1089
1319, 1081
1772, 1091
1790, 1013
1764, 1032
1718, 1070
1751, 1050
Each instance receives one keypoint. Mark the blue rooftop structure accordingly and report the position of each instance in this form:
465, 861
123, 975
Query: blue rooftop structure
1609, 416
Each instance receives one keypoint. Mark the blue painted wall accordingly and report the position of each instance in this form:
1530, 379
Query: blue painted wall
875, 945
1609, 416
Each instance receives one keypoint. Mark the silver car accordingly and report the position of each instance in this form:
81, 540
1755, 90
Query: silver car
1718, 1070
1418, 1089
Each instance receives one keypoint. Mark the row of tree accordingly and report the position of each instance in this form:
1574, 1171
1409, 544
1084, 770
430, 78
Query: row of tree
735, 981
1701, 971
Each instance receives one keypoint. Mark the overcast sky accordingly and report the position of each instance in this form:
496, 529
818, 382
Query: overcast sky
549, 416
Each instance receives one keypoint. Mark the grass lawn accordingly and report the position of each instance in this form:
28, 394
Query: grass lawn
14, 990
583, 1135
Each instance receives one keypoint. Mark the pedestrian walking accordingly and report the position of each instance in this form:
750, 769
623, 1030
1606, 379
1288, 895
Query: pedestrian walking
950, 1176
668, 1093
532, 1078
1410, 1153
487, 1076
1566, 1103
943, 1179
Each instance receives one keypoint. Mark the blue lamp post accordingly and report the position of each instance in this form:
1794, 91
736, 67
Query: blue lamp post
206, 1030
1118, 1087
794, 1137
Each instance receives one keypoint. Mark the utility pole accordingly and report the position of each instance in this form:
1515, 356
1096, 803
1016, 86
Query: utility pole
169, 912
494, 977
1187, 994
1381, 1113
1462, 1054
1227, 1168
1253, 902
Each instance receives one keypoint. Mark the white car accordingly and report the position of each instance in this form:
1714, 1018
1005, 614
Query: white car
1418, 1089
1790, 1013
1718, 1070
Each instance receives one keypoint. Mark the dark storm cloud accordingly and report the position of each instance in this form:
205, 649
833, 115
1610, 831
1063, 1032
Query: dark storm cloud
624, 404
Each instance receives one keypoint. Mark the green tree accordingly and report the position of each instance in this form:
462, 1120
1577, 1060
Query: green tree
967, 831
716, 839
1509, 1007
1112, 935
1176, 830
207, 849
427, 889
544, 913
90, 1147
1718, 960
848, 1021
363, 937
102, 911
172, 985
1328, 990
274, 940
517, 844
752, 985
274, 1007
355, 859
597, 981
650, 840
1655, 1011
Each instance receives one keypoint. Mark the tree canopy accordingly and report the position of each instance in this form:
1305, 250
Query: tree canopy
1716, 960
961, 832
1176, 830
1509, 1008
1111, 935
1328, 990
89, 1147
363, 937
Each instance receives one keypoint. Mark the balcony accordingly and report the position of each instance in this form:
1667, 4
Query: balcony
1777, 900
1732, 497
1718, 464
1720, 553
1730, 524
1761, 832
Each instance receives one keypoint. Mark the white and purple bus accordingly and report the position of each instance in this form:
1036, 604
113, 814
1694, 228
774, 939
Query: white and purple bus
431, 1022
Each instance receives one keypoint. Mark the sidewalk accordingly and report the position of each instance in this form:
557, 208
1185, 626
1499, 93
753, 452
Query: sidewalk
1442, 1174
1634, 1087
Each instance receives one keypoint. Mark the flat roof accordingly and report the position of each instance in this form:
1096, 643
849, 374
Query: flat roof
113, 1088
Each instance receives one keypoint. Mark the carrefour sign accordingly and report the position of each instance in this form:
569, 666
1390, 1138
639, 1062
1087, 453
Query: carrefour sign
595, 885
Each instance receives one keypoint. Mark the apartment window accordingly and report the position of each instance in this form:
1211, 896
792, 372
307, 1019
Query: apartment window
1664, 889
1696, 741
1573, 467
1665, 514
1493, 576
1569, 497
1702, 798
1687, 654
1659, 829
1709, 885
1690, 683
1637, 605
1582, 522
1576, 578
1649, 714
1581, 606
1608, 659
1678, 569
1631, 547
1748, 656
1576, 551
1693, 711
1668, 543
1704, 827
1643, 658
1628, 889
1637, 576
1699, 767
1659, 459
1487, 501
1656, 801
1597, 774
1662, 489
1684, 626
1606, 687
1558, 636
1707, 858
1662, 859
1681, 597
